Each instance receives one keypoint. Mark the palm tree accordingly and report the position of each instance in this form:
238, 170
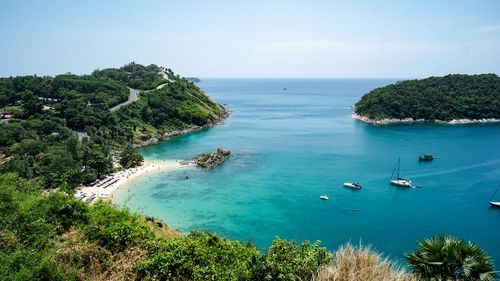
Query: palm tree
449, 258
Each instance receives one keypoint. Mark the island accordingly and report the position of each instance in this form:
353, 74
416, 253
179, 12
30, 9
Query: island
451, 99
193, 79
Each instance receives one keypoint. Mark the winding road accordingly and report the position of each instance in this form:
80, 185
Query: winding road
132, 96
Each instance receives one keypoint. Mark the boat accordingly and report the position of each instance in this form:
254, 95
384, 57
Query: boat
494, 203
323, 197
425, 157
399, 181
354, 185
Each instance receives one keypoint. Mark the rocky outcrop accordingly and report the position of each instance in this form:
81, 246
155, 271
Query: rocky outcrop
210, 160
389, 121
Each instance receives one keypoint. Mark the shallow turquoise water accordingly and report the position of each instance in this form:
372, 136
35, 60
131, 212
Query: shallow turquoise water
292, 146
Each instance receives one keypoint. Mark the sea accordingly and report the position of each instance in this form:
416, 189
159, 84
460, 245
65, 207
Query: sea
293, 140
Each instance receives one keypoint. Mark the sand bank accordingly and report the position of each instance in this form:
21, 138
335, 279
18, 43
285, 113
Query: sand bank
116, 181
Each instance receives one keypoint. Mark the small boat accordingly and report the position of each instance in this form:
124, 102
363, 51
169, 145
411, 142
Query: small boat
354, 185
494, 203
399, 181
323, 197
285, 89
425, 157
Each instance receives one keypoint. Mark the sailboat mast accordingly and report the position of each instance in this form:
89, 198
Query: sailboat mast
494, 193
394, 170
399, 163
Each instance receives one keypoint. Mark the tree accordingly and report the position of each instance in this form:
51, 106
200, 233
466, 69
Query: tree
446, 257
129, 158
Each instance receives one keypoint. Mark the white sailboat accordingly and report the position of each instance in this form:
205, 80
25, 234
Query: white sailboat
399, 181
494, 203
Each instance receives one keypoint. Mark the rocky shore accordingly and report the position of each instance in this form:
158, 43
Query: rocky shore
171, 134
390, 121
210, 160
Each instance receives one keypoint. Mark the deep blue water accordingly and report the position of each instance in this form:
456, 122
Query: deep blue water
292, 146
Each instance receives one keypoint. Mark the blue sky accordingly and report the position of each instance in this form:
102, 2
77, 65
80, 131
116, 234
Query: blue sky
253, 38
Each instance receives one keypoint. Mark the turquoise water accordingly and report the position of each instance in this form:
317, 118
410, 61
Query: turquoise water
290, 147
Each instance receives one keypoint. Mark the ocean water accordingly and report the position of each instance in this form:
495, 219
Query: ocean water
291, 146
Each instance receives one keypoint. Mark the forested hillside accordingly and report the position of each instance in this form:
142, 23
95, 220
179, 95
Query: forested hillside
42, 117
435, 98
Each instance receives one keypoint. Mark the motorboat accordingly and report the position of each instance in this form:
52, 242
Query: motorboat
323, 197
425, 157
354, 185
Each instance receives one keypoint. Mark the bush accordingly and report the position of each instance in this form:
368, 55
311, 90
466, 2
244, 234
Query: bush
360, 264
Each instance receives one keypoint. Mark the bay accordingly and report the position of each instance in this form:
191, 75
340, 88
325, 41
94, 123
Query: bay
291, 146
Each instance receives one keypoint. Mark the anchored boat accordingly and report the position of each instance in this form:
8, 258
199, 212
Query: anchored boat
354, 185
494, 203
425, 157
399, 181
323, 197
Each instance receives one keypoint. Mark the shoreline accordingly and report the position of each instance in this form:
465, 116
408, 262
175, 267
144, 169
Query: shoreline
391, 121
171, 134
118, 180
121, 179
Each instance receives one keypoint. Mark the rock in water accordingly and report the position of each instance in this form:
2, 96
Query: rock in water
209, 160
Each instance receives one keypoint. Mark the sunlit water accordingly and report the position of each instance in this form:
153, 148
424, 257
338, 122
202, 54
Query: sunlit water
291, 146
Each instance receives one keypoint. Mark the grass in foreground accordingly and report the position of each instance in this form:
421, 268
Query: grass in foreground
360, 264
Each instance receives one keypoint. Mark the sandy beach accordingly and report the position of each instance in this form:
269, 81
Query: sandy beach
121, 179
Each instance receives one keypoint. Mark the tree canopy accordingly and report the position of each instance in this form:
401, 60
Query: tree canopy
49, 112
435, 98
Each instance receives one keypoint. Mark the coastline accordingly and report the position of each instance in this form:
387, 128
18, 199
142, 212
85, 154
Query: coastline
123, 178
171, 134
391, 121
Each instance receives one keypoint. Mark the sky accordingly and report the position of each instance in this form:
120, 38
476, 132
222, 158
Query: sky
299, 39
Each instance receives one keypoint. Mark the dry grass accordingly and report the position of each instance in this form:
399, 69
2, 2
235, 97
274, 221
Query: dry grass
361, 264
92, 261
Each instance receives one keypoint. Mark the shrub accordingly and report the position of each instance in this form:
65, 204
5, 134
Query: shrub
360, 264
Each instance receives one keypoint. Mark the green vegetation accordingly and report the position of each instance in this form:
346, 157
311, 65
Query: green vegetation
448, 258
435, 98
46, 234
130, 158
55, 237
48, 111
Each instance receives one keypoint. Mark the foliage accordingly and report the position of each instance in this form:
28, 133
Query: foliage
288, 261
129, 158
49, 111
446, 257
435, 98
134, 75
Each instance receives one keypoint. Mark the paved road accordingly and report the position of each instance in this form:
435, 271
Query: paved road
165, 76
132, 96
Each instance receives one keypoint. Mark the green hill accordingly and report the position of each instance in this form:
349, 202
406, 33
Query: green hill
47, 112
435, 98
